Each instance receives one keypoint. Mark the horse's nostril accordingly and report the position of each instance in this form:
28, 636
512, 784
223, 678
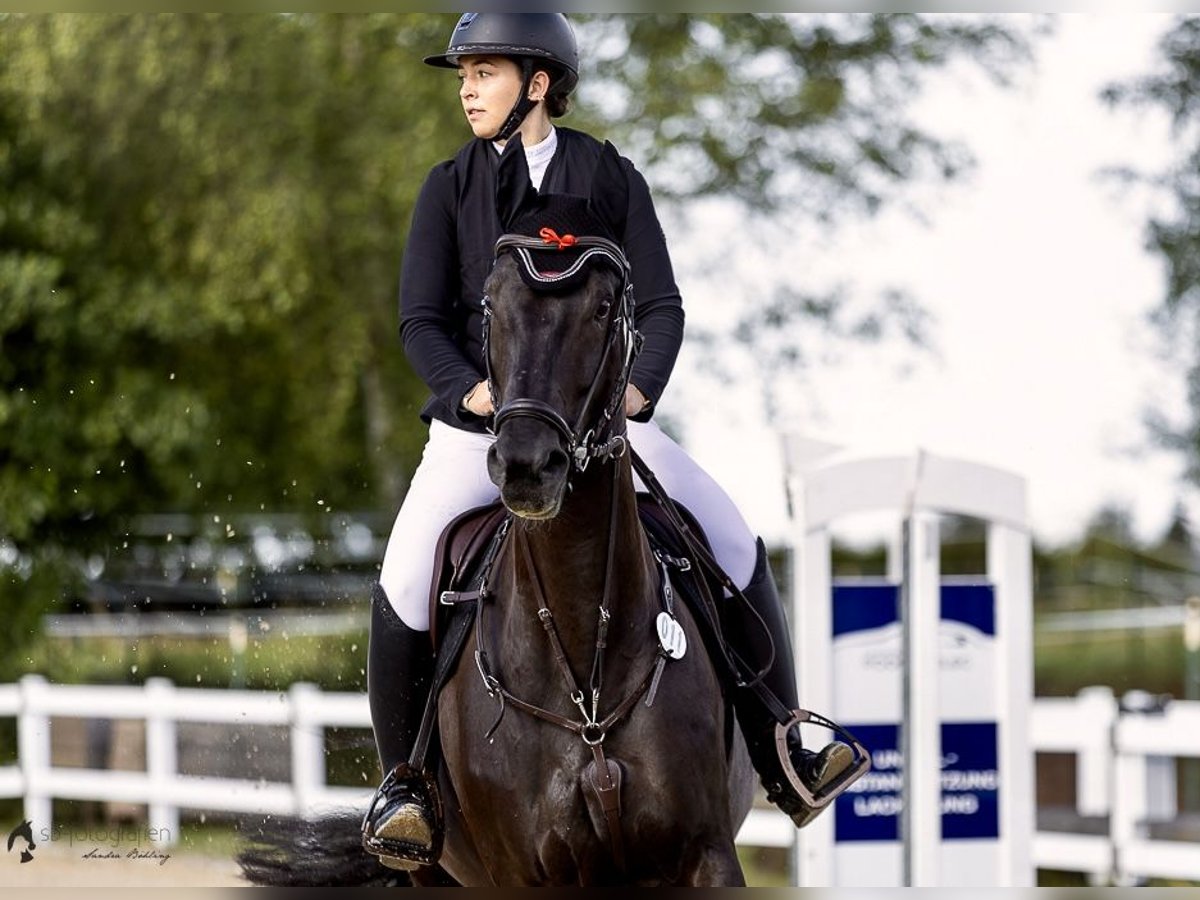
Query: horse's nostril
556, 461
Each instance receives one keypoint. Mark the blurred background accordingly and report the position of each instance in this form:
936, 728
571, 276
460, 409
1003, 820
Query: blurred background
976, 232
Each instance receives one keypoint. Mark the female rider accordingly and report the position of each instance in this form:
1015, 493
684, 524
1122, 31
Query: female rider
517, 71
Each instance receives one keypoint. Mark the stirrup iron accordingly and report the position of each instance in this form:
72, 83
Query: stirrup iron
826, 793
405, 855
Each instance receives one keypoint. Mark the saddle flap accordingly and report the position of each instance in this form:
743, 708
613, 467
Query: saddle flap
696, 587
460, 552
664, 535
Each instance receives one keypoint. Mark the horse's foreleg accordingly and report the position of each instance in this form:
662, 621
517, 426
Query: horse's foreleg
713, 865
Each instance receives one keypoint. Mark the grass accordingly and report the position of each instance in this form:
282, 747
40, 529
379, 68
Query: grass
1151, 660
269, 662
1064, 662
202, 837
764, 866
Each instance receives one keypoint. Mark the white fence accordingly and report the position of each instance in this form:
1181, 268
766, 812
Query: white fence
1124, 766
1125, 771
304, 709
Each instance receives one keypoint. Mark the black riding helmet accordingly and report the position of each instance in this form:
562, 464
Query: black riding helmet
525, 37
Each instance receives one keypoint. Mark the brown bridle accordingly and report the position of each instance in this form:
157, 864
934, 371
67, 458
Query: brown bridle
584, 441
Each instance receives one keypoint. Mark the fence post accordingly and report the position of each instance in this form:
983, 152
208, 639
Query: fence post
1093, 769
1191, 691
1127, 823
33, 751
1010, 570
162, 757
308, 747
921, 743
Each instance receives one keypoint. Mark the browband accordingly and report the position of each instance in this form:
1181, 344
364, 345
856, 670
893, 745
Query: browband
524, 245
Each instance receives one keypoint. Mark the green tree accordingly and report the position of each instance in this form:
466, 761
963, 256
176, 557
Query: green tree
808, 115
241, 198
200, 223
1177, 541
1173, 233
804, 122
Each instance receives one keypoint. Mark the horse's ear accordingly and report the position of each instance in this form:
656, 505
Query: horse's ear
515, 193
609, 200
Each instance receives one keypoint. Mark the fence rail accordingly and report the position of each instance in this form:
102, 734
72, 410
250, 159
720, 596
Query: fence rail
1126, 752
1125, 766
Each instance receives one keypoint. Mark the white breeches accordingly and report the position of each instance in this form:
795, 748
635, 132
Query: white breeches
452, 478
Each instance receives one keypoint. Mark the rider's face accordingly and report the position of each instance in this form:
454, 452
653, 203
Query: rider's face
489, 88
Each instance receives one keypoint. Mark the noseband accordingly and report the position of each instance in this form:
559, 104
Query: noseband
584, 440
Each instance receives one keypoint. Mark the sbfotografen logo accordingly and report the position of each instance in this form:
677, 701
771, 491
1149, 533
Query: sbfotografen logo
120, 842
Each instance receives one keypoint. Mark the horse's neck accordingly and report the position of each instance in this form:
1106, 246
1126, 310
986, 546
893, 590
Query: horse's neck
571, 553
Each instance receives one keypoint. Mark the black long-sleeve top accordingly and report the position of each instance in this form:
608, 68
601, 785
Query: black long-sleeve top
449, 256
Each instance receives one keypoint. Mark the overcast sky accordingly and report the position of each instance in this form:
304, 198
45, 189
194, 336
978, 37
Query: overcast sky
1039, 287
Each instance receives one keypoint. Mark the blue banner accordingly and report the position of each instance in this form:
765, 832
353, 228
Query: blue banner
860, 607
867, 642
870, 810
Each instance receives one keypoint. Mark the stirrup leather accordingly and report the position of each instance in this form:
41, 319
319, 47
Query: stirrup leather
819, 796
406, 851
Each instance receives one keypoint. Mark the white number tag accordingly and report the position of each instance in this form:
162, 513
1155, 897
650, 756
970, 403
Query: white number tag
671, 636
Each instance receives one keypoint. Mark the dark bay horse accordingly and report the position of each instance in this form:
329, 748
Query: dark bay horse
583, 741
578, 572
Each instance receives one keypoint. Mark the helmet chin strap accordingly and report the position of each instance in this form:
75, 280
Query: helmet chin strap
521, 108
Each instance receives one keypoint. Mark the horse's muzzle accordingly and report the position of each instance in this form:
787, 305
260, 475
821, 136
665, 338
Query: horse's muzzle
529, 465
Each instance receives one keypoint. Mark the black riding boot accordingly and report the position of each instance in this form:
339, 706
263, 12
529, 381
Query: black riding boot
749, 638
401, 826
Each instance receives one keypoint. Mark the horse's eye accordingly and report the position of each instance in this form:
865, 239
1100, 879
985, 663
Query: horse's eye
603, 309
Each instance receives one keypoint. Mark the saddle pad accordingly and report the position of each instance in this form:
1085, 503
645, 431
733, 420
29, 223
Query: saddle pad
460, 551
462, 546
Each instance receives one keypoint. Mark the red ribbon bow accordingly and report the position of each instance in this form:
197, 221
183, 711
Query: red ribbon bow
550, 236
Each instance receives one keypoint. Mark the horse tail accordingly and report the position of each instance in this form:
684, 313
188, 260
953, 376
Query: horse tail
289, 851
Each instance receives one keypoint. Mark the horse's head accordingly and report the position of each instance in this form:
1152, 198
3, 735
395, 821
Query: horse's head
560, 338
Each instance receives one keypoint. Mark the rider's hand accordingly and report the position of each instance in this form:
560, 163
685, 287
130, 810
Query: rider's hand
479, 400
635, 400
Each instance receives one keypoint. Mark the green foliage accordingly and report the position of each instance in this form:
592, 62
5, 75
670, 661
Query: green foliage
28, 589
269, 662
1128, 659
807, 115
1173, 88
200, 219
805, 122
1109, 568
